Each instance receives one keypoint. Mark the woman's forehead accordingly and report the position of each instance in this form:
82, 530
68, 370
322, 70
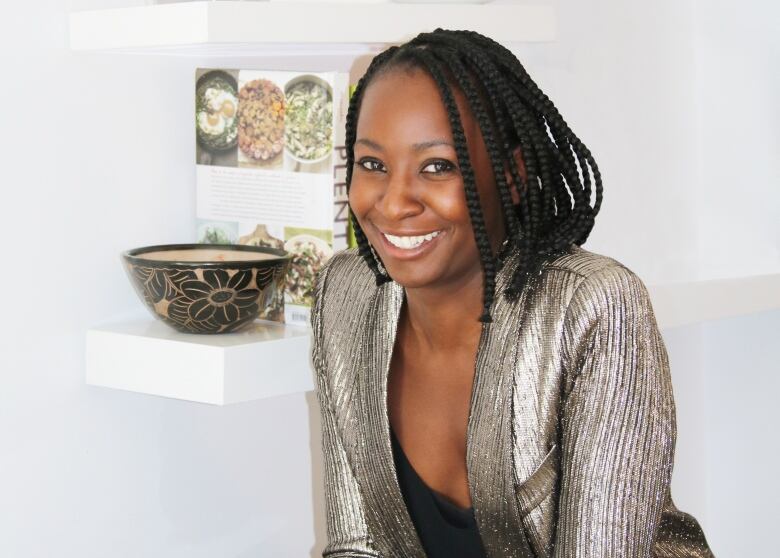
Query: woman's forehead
407, 105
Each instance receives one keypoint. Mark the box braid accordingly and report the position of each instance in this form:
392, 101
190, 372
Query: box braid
544, 106
554, 210
543, 145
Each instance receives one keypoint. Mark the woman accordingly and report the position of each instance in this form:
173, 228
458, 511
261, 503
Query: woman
487, 387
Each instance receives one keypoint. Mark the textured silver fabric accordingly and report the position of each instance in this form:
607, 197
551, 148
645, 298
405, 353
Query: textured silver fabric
572, 426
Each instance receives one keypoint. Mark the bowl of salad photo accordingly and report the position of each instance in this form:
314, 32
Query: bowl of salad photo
308, 129
308, 253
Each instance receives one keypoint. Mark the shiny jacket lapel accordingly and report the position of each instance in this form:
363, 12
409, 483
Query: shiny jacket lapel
386, 509
490, 433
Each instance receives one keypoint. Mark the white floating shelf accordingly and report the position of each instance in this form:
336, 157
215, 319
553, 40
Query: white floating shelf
144, 355
685, 303
224, 28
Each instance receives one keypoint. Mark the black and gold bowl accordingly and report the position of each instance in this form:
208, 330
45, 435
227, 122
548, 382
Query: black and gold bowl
206, 288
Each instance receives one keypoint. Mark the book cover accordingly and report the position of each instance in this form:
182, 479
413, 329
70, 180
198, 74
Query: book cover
270, 165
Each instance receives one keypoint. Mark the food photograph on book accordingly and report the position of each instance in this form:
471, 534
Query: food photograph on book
270, 170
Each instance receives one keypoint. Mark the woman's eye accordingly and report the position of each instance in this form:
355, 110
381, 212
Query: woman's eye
371, 165
438, 167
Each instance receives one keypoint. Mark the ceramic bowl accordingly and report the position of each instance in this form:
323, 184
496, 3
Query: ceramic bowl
206, 288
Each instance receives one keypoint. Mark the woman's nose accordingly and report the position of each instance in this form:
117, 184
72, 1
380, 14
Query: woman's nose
399, 199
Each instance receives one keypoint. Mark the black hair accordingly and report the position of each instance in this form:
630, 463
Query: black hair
554, 210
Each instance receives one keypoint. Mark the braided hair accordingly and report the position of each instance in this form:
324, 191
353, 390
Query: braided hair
554, 210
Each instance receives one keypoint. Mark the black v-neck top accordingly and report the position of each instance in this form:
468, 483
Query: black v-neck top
445, 529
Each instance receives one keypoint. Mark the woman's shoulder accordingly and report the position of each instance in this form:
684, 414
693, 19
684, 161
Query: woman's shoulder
597, 281
346, 262
587, 263
601, 285
345, 269
343, 278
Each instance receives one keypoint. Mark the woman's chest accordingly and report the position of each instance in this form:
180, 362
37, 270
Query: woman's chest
428, 406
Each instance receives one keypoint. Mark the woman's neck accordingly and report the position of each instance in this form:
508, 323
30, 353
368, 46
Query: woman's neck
443, 319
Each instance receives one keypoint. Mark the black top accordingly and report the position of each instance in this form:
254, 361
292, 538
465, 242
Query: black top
445, 529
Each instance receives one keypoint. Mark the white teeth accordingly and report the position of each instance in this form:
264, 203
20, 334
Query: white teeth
408, 242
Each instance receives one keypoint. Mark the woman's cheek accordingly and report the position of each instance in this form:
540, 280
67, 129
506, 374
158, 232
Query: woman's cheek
359, 201
354, 199
448, 201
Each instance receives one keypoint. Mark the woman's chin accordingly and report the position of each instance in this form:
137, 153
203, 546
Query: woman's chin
431, 277
411, 279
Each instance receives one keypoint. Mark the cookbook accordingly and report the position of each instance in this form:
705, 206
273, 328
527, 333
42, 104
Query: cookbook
270, 170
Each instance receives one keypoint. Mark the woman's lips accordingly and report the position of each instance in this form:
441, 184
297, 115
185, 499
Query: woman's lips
408, 253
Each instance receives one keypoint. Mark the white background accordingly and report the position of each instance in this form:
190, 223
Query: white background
677, 99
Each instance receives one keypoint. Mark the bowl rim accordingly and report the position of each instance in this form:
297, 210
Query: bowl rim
133, 256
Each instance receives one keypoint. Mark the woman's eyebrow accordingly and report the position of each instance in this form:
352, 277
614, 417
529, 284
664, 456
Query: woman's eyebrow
421, 146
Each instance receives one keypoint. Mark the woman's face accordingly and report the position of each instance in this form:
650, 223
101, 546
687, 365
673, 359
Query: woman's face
406, 182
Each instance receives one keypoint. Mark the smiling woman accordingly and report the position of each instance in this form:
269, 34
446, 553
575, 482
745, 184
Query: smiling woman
508, 393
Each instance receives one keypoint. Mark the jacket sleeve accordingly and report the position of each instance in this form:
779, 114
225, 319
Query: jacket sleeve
618, 421
347, 532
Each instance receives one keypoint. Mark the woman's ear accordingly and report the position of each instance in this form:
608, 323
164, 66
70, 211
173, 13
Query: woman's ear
517, 155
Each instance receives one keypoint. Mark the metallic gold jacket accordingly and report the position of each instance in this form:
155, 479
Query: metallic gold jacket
572, 427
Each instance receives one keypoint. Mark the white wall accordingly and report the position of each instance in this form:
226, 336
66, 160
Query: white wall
743, 379
738, 133
97, 152
737, 55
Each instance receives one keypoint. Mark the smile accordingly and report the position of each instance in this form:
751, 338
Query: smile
409, 242
409, 247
